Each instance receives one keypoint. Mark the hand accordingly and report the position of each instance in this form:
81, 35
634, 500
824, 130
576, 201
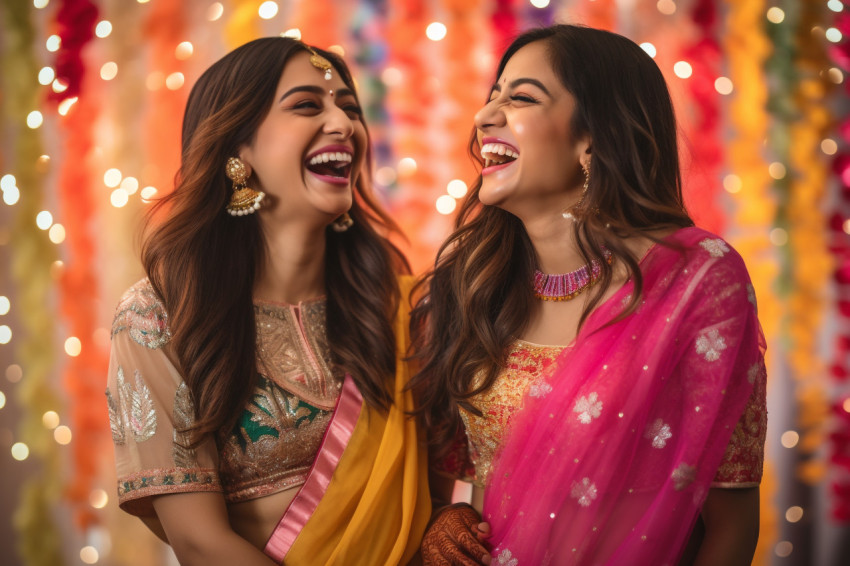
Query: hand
455, 537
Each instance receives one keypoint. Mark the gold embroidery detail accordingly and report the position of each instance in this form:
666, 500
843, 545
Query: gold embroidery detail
116, 423
184, 417
140, 415
143, 316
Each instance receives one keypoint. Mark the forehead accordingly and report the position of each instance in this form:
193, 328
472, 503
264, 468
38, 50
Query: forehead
300, 72
531, 61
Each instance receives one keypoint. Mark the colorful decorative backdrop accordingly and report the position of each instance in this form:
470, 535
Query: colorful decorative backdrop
91, 97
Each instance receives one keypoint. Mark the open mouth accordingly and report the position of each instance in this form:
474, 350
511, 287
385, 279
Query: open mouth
334, 166
495, 154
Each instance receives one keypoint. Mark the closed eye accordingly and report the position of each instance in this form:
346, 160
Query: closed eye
306, 105
523, 98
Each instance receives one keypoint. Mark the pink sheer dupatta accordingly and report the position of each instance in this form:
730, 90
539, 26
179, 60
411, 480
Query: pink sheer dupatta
613, 463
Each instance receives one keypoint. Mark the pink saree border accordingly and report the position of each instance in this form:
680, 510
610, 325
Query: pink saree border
333, 445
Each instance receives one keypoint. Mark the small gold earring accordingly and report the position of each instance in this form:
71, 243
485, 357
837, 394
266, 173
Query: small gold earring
244, 199
342, 223
575, 210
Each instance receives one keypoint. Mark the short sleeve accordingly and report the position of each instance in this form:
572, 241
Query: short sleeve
743, 460
149, 405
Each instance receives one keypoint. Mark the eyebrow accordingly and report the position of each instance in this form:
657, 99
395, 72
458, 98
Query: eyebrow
515, 83
316, 90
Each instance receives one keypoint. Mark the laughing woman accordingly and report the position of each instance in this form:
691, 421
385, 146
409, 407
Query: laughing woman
256, 402
600, 356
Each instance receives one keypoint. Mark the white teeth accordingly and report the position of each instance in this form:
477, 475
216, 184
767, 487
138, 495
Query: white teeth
490, 150
331, 156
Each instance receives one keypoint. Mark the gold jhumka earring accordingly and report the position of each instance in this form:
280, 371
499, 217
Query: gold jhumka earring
244, 199
572, 212
342, 223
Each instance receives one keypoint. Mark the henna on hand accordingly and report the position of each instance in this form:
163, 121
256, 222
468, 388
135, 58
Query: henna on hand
453, 538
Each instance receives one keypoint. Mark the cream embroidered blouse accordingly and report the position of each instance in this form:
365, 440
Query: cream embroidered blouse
277, 436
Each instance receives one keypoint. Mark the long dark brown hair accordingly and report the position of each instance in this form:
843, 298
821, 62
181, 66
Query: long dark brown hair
477, 299
202, 262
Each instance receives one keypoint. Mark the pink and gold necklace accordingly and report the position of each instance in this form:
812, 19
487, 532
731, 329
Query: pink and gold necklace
566, 286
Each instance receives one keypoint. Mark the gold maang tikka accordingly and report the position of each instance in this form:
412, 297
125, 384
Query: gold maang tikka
320, 63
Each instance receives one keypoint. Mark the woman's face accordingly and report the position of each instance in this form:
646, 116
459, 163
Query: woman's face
532, 157
309, 149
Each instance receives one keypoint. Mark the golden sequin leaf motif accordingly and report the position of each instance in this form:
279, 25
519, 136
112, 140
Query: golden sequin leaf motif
588, 408
710, 344
140, 415
143, 316
659, 433
184, 417
584, 492
116, 423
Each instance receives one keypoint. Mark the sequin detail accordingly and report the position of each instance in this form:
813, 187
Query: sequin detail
135, 406
116, 425
710, 344
716, 247
584, 492
588, 408
184, 417
683, 476
505, 558
142, 314
659, 433
527, 365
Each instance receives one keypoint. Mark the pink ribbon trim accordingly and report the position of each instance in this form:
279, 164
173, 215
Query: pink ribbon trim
333, 445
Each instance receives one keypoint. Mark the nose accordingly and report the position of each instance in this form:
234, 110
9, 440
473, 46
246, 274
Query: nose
338, 123
490, 115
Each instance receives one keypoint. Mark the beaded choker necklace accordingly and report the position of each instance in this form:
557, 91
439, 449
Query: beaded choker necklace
566, 286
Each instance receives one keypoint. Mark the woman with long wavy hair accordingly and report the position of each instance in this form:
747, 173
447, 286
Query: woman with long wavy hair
594, 358
255, 395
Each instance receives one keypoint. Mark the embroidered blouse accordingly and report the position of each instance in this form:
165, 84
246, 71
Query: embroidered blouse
276, 438
523, 376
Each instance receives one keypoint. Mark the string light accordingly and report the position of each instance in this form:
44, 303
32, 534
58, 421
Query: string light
56, 268
119, 198
174, 81
215, 11
50, 419
294, 33
723, 85
98, 498
835, 5
833, 35
65, 105
44, 220
73, 346
14, 373
406, 166
446, 204
103, 29
56, 234
2, 399
62, 435
391, 76
5, 334
109, 70
112, 178
456, 188
34, 119
683, 69
783, 549
268, 10
794, 514
828, 146
130, 185
11, 196
89, 555
778, 237
147, 193
20, 451
835, 75
338, 49
789, 438
5, 305
649, 48
59, 86
184, 50
539, 3
46, 76
777, 170
436, 31
666, 7
846, 404
775, 15
7, 182
53, 43
39, 4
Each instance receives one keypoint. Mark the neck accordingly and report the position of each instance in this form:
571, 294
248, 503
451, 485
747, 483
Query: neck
554, 244
294, 265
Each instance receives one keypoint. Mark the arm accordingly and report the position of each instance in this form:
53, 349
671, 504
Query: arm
199, 532
731, 518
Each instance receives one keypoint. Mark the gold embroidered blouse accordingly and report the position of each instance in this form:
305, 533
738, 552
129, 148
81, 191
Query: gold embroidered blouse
528, 363
276, 438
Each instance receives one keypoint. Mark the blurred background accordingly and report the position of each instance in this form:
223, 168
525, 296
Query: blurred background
91, 99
